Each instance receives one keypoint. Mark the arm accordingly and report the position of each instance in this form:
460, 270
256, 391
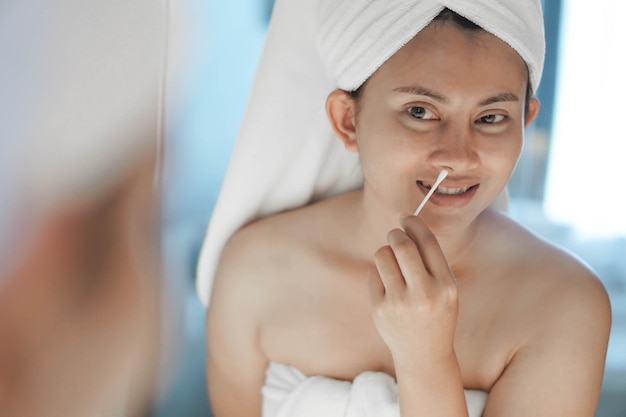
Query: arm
235, 364
558, 371
414, 307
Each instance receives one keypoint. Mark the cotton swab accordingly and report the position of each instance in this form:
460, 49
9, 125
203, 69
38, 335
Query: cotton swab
442, 175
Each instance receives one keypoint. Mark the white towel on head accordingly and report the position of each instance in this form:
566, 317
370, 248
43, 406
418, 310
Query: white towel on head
357, 36
286, 154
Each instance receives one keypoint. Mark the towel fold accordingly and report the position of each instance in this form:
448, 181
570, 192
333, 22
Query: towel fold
286, 153
357, 36
289, 393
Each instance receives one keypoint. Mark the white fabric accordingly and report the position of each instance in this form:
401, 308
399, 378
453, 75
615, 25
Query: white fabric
357, 36
289, 393
79, 83
286, 154
79, 101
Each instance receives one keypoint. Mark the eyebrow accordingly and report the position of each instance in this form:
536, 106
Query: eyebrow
499, 98
422, 91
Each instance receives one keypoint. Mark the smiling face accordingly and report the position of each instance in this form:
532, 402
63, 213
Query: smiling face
448, 99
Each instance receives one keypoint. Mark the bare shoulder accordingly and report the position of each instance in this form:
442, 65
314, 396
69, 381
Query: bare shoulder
558, 275
561, 311
262, 259
265, 245
571, 299
283, 241
248, 261
249, 280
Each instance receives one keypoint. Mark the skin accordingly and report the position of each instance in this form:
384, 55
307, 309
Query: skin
461, 297
79, 309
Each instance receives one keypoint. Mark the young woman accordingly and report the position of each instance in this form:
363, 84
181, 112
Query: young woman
460, 297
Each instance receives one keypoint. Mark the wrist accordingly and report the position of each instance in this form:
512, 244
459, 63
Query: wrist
431, 387
425, 360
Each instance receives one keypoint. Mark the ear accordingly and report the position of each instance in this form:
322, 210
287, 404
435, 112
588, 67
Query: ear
533, 111
341, 112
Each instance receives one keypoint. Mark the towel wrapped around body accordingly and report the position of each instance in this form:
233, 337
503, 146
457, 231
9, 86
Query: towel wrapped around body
290, 393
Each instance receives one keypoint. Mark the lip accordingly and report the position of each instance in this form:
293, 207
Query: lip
452, 199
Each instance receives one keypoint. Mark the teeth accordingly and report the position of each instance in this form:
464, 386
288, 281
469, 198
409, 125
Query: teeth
451, 191
447, 191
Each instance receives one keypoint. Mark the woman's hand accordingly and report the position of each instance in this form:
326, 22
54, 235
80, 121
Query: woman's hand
414, 296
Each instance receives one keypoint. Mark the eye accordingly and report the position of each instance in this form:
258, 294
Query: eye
421, 113
491, 118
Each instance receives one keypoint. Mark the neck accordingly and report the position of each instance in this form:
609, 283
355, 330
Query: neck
371, 224
457, 240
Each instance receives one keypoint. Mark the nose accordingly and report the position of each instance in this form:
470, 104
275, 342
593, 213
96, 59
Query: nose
455, 149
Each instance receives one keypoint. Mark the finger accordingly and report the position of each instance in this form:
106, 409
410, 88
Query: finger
389, 271
433, 257
408, 258
376, 287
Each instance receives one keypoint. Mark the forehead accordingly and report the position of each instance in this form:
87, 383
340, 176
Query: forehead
447, 58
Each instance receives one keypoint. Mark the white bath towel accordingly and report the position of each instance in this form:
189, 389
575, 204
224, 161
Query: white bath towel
357, 36
286, 154
289, 393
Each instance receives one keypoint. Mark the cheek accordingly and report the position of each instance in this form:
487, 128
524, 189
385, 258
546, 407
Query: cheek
384, 139
388, 157
501, 158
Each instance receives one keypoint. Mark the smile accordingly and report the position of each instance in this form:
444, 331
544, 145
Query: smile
447, 191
